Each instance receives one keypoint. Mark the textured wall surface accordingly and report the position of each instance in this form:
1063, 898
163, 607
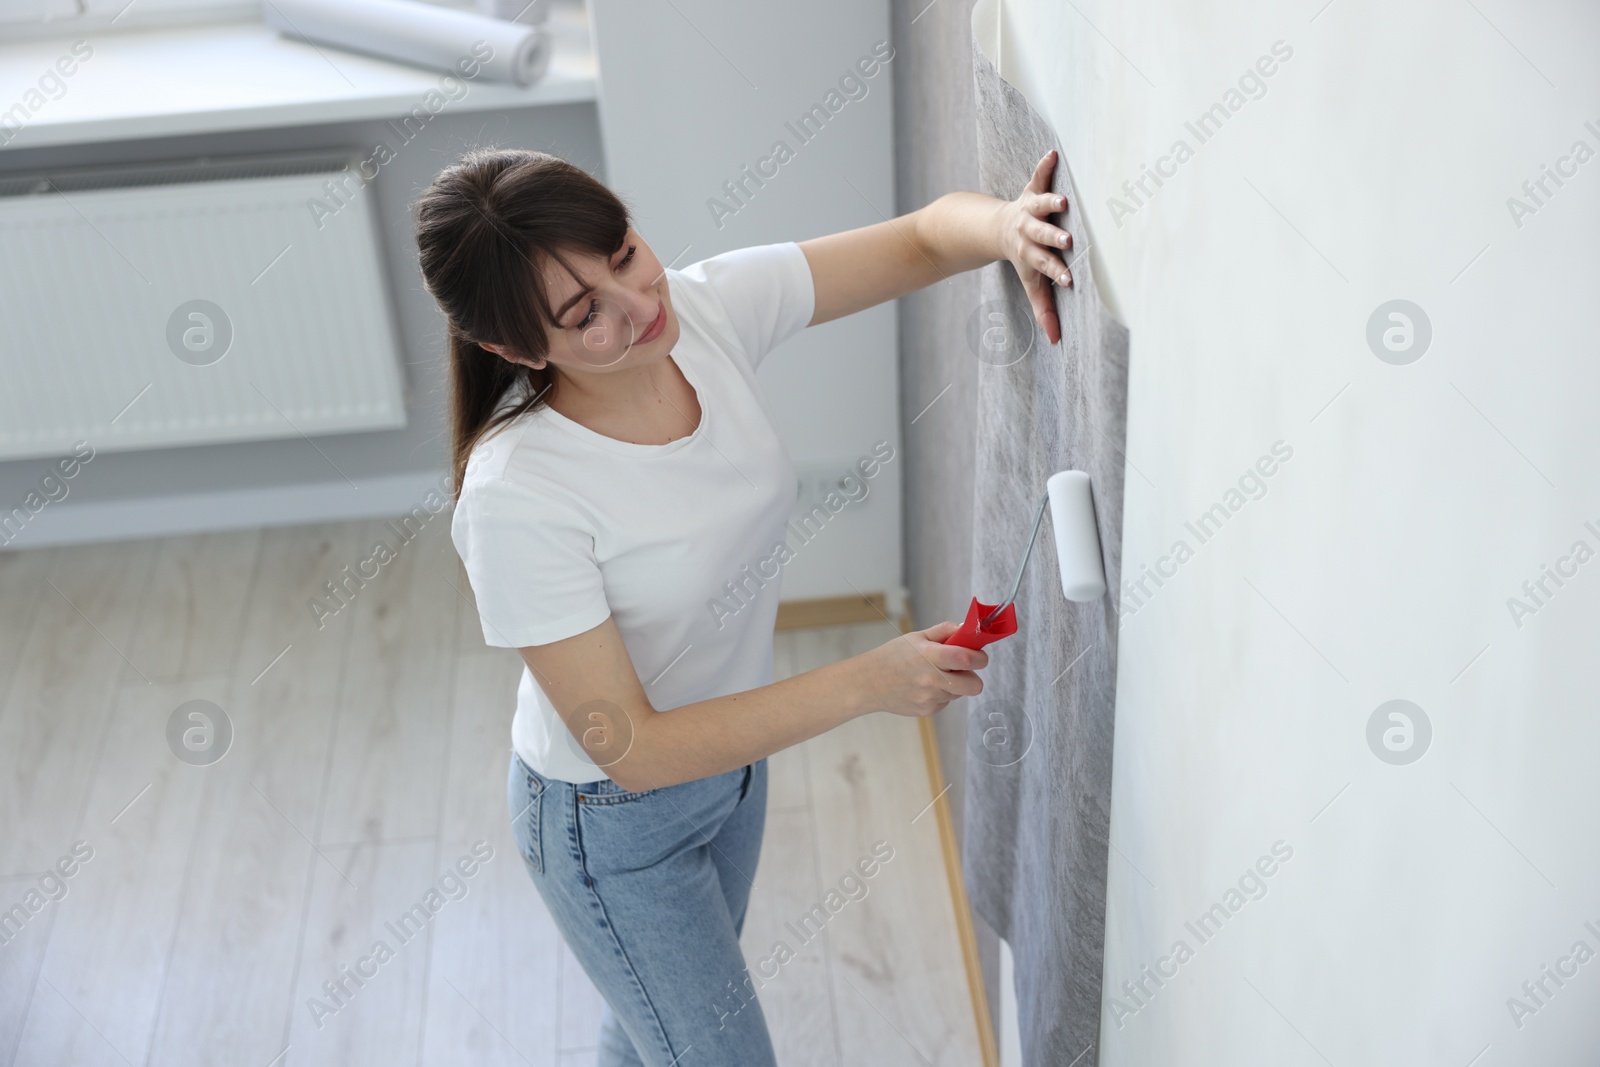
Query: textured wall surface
1039, 770
936, 153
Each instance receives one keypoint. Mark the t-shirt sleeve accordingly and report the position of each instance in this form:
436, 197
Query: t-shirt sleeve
765, 292
531, 565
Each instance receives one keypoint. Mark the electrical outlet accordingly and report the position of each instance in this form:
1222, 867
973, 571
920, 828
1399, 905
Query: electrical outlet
816, 481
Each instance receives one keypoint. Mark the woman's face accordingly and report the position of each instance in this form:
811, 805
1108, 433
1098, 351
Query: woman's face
616, 315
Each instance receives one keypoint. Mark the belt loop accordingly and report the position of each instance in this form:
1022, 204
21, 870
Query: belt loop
744, 787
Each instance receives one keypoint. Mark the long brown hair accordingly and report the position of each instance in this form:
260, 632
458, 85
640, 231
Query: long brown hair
485, 228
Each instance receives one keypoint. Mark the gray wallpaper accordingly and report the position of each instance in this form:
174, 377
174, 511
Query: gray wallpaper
1038, 798
936, 152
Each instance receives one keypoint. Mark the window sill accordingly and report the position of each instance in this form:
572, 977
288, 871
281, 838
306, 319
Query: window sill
174, 81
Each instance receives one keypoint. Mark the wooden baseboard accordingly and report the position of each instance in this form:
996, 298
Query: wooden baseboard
958, 888
832, 611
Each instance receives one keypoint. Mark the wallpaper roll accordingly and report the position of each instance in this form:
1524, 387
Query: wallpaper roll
1038, 802
469, 45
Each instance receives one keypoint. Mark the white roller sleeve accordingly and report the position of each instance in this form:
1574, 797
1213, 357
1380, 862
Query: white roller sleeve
1083, 576
461, 42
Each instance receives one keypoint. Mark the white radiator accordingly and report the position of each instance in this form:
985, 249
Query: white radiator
187, 304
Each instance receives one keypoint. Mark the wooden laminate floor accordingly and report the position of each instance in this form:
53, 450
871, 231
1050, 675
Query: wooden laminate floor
207, 905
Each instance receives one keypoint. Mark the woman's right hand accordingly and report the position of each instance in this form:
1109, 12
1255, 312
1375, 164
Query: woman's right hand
915, 674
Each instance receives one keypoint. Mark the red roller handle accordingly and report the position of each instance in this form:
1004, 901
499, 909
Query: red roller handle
973, 634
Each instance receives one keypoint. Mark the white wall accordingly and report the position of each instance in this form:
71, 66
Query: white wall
1379, 563
692, 91
736, 83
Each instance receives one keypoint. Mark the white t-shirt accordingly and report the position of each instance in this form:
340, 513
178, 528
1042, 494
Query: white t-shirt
559, 526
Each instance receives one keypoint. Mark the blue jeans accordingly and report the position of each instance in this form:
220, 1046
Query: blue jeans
649, 890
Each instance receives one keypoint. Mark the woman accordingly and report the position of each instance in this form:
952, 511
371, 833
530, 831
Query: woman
615, 467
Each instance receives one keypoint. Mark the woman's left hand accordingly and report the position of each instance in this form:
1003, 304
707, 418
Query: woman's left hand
1035, 247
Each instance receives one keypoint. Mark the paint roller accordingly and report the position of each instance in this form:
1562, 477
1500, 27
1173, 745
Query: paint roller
1071, 503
